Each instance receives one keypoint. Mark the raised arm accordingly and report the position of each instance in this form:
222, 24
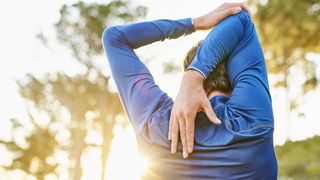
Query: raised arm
139, 94
218, 45
236, 39
249, 105
191, 97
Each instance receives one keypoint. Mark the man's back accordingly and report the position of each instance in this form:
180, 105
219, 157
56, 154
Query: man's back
237, 148
242, 146
219, 152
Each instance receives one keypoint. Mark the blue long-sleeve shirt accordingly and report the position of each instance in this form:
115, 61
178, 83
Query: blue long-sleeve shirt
242, 146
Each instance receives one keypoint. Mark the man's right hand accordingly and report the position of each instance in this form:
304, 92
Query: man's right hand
192, 97
190, 100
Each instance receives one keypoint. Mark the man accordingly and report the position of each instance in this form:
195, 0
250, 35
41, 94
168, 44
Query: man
241, 147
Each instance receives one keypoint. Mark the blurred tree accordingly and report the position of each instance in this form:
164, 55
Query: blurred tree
80, 28
80, 104
299, 160
90, 105
81, 25
33, 156
170, 67
288, 31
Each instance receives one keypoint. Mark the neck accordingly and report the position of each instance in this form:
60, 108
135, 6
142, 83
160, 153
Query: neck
217, 93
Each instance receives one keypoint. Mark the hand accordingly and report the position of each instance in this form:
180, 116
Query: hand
190, 100
212, 18
192, 97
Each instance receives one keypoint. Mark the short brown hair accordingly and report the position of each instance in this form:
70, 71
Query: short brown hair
217, 80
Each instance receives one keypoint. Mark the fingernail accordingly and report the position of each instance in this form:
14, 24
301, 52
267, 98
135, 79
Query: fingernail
237, 8
185, 154
190, 149
172, 150
219, 122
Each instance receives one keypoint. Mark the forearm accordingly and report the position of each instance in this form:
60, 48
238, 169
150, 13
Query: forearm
140, 95
219, 44
139, 34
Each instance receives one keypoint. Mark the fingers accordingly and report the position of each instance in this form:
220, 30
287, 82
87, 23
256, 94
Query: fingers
211, 115
174, 135
231, 11
176, 126
190, 132
183, 137
170, 124
233, 5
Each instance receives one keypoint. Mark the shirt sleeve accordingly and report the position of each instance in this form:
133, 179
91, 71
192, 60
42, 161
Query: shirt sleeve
218, 44
138, 92
236, 39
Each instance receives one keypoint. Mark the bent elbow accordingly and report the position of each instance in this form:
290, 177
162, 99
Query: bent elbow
110, 35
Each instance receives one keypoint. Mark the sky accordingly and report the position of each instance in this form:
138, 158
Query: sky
21, 53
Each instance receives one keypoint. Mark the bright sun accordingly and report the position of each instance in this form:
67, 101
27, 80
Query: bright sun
125, 161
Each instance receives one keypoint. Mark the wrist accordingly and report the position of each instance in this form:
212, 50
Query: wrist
198, 23
194, 77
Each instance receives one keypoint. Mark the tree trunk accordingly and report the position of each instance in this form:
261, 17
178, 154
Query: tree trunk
107, 137
288, 113
287, 90
79, 145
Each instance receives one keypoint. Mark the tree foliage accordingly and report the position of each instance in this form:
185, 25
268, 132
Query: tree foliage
288, 30
90, 105
78, 105
33, 156
299, 160
81, 25
80, 28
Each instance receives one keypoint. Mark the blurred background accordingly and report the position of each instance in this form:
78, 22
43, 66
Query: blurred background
62, 119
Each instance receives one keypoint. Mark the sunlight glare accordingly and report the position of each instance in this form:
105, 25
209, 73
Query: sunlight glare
142, 163
124, 161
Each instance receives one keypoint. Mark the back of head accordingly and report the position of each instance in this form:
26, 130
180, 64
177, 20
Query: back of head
217, 80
